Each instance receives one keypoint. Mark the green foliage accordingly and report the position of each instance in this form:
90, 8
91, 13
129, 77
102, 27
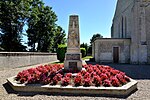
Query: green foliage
95, 36
83, 51
59, 38
61, 52
41, 27
13, 14
85, 45
90, 49
40, 19
87, 57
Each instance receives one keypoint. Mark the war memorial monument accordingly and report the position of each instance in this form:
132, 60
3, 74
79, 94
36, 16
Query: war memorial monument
93, 80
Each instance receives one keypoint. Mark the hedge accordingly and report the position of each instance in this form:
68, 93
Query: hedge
83, 51
62, 50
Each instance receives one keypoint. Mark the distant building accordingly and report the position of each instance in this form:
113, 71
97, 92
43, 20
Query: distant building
130, 35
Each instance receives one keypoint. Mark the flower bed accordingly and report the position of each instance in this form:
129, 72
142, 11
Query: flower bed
93, 75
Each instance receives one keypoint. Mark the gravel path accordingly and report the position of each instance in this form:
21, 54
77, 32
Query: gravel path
141, 74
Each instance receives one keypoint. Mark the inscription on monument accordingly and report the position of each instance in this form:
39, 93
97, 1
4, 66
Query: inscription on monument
73, 57
73, 65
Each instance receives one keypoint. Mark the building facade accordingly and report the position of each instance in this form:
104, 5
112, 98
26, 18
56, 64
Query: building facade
130, 35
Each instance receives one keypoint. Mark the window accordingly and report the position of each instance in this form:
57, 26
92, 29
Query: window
122, 31
125, 33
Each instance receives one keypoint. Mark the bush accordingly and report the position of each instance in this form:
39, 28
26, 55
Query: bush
83, 51
61, 52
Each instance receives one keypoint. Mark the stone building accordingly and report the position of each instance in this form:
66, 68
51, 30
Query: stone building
130, 35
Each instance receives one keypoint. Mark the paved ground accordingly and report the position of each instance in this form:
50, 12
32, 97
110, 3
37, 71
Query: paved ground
141, 73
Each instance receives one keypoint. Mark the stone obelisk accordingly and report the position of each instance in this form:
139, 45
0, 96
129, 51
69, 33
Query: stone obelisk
73, 62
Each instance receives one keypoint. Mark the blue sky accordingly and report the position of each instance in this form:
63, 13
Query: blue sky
95, 16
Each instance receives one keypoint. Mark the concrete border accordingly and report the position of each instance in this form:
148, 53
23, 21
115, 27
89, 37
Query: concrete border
123, 91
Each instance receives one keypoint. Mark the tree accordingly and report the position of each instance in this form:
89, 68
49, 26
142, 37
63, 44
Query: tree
33, 20
41, 28
13, 14
59, 38
85, 45
41, 21
95, 36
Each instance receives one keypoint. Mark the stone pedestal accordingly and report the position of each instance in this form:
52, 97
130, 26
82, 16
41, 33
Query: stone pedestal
73, 62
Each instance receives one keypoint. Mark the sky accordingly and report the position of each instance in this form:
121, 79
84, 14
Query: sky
95, 16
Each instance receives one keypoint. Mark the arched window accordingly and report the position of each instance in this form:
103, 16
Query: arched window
122, 31
125, 33
119, 30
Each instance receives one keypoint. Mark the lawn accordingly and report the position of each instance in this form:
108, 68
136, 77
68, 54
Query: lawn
87, 57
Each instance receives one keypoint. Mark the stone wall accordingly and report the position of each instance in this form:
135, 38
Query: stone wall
132, 20
17, 59
104, 50
147, 11
122, 21
139, 44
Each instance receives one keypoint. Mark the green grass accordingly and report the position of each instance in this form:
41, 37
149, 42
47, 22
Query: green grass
87, 57
84, 58
58, 62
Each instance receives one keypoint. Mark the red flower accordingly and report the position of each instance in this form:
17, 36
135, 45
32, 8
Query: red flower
19, 76
87, 75
22, 80
127, 78
95, 68
119, 76
87, 81
68, 75
46, 81
107, 83
115, 82
98, 72
121, 79
78, 80
85, 66
54, 81
103, 76
65, 81
93, 75
31, 79
108, 74
31, 70
103, 70
59, 76
122, 73
89, 69
114, 72
97, 80
83, 72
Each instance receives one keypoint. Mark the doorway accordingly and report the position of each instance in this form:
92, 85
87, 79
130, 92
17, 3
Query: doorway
116, 54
